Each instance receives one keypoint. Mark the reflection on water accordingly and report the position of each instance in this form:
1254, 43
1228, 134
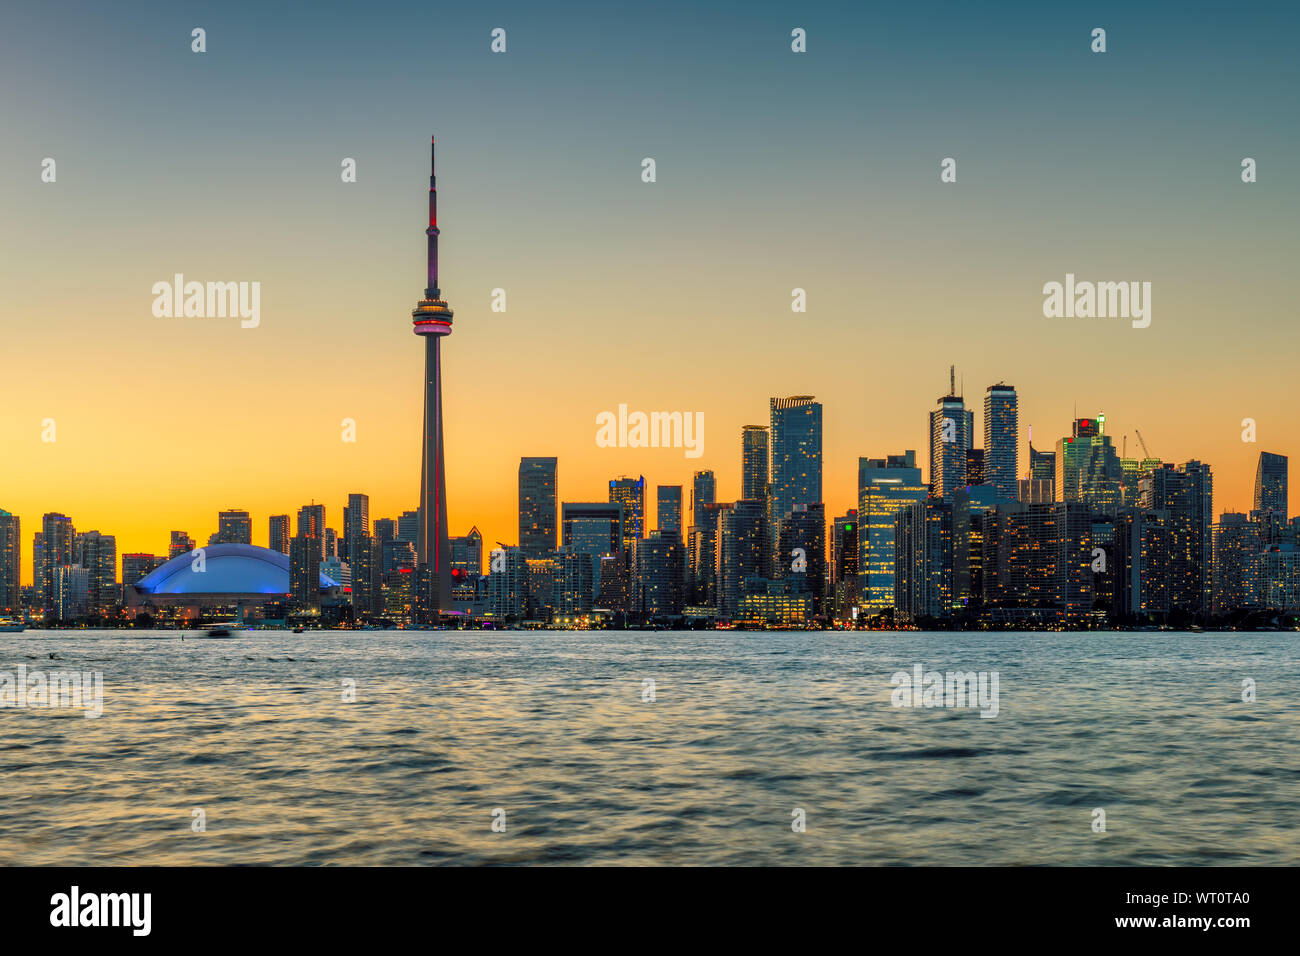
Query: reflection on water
744, 729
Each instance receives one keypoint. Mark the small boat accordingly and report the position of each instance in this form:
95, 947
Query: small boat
12, 627
297, 630
222, 630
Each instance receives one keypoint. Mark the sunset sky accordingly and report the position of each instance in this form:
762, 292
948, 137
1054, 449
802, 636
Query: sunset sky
775, 170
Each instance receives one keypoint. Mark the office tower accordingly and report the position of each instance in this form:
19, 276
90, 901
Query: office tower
1131, 472
507, 583
795, 477
613, 584
1185, 496
630, 493
660, 563
11, 563
1088, 469
537, 482
356, 521
1037, 561
923, 560
704, 553
278, 533
593, 528
668, 508
970, 509
844, 565
467, 553
71, 592
884, 486
754, 461
367, 566
574, 582
408, 527
400, 598
1271, 484
397, 555
975, 473
1237, 547
331, 544
1001, 440
741, 550
97, 554
952, 434
386, 530
704, 491
180, 543
304, 569
539, 583
137, 566
1039, 484
234, 527
53, 548
802, 552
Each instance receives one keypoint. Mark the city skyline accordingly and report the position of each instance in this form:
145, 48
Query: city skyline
128, 544
895, 264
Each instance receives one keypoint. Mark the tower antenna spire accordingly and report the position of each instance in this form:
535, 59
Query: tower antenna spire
432, 318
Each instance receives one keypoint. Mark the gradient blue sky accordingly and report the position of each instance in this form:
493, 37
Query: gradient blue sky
774, 171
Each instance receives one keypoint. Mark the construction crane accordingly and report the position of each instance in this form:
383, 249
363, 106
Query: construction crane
1145, 451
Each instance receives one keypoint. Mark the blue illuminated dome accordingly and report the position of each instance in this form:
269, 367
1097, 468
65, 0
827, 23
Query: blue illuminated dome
227, 569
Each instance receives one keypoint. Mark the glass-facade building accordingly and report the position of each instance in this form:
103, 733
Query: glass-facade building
537, 527
884, 486
1001, 440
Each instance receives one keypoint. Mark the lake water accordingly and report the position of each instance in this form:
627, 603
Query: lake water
744, 730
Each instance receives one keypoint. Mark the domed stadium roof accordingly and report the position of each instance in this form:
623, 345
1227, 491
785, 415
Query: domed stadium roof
227, 569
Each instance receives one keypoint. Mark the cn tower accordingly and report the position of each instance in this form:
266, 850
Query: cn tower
432, 319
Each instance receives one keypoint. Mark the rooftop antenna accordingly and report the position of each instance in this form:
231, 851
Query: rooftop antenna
952, 380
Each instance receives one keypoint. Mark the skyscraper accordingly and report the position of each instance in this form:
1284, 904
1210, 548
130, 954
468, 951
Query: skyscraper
704, 491
432, 319
668, 509
182, 543
802, 552
1271, 484
754, 456
1237, 545
467, 553
311, 524
356, 521
660, 566
1001, 442
53, 549
952, 430
234, 527
278, 534
408, 527
630, 493
537, 477
97, 554
741, 550
1185, 496
884, 486
11, 562
923, 559
595, 529
844, 564
796, 454
1088, 468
